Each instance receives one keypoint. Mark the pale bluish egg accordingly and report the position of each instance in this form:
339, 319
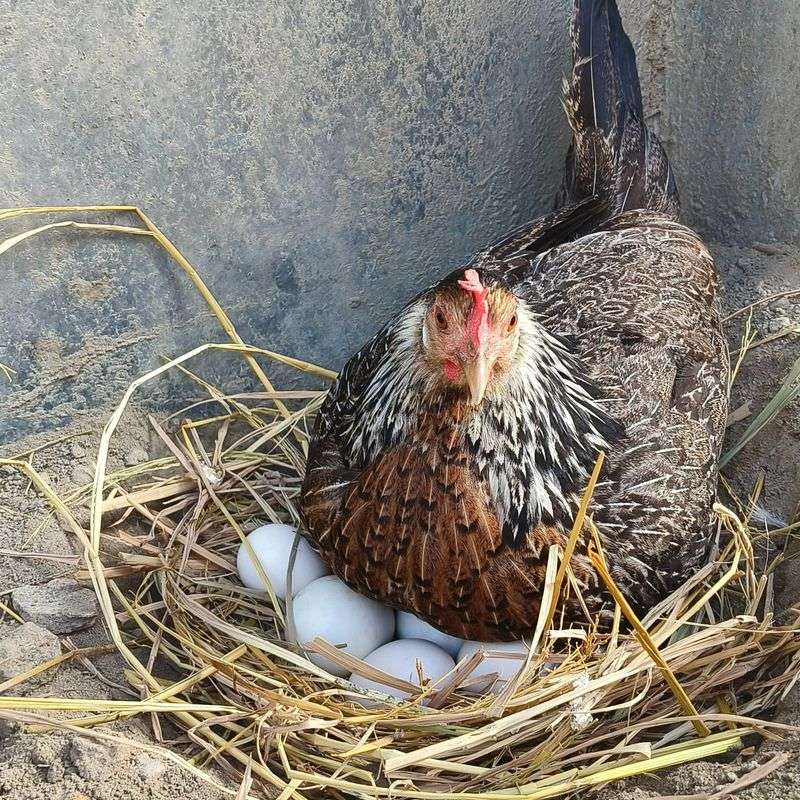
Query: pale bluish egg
328, 609
272, 545
412, 627
510, 659
400, 659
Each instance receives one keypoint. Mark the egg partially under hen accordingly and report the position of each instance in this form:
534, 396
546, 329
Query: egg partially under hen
272, 546
410, 626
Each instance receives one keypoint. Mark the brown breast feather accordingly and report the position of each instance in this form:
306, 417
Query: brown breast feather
416, 530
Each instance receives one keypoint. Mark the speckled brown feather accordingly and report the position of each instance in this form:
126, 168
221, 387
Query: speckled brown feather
649, 332
416, 530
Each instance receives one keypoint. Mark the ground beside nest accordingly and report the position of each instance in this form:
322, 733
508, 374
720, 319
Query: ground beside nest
703, 779
56, 766
49, 765
70, 767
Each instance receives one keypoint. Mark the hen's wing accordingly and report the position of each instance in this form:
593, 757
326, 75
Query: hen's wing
639, 301
329, 471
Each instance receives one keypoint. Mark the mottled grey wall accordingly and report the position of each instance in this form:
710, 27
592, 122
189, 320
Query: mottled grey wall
731, 111
319, 162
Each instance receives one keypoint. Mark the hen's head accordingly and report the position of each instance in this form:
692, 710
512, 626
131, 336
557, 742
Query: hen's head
470, 334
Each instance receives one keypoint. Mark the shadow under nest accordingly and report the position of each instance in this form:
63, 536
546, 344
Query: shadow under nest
691, 680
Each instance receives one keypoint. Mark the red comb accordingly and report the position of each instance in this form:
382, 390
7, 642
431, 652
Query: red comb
478, 322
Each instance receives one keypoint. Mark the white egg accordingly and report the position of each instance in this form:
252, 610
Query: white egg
399, 658
412, 627
330, 610
272, 545
505, 667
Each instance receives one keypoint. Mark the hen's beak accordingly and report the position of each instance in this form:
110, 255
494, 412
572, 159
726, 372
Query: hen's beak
477, 372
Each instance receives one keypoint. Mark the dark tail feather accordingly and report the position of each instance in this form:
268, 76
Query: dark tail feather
613, 154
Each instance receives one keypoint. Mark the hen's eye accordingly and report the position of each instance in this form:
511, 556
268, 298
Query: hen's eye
441, 319
512, 323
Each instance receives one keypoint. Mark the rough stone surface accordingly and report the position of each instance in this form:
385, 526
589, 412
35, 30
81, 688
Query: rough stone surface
43, 767
23, 647
148, 768
8, 728
90, 759
62, 605
136, 455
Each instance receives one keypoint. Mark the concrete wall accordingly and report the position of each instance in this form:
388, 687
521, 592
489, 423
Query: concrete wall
318, 162
731, 110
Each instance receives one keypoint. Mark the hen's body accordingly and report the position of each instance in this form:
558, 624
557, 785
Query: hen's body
427, 502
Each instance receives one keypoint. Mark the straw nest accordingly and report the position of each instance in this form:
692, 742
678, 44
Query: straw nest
687, 682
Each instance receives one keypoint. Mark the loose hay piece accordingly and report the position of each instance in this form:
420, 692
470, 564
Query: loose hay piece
588, 708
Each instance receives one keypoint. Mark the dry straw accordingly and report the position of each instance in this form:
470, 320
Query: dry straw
691, 680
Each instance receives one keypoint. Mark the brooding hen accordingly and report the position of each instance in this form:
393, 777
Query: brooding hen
453, 449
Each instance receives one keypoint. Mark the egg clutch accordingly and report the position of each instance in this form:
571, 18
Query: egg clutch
396, 643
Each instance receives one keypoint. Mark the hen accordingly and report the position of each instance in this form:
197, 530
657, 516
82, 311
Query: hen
453, 448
